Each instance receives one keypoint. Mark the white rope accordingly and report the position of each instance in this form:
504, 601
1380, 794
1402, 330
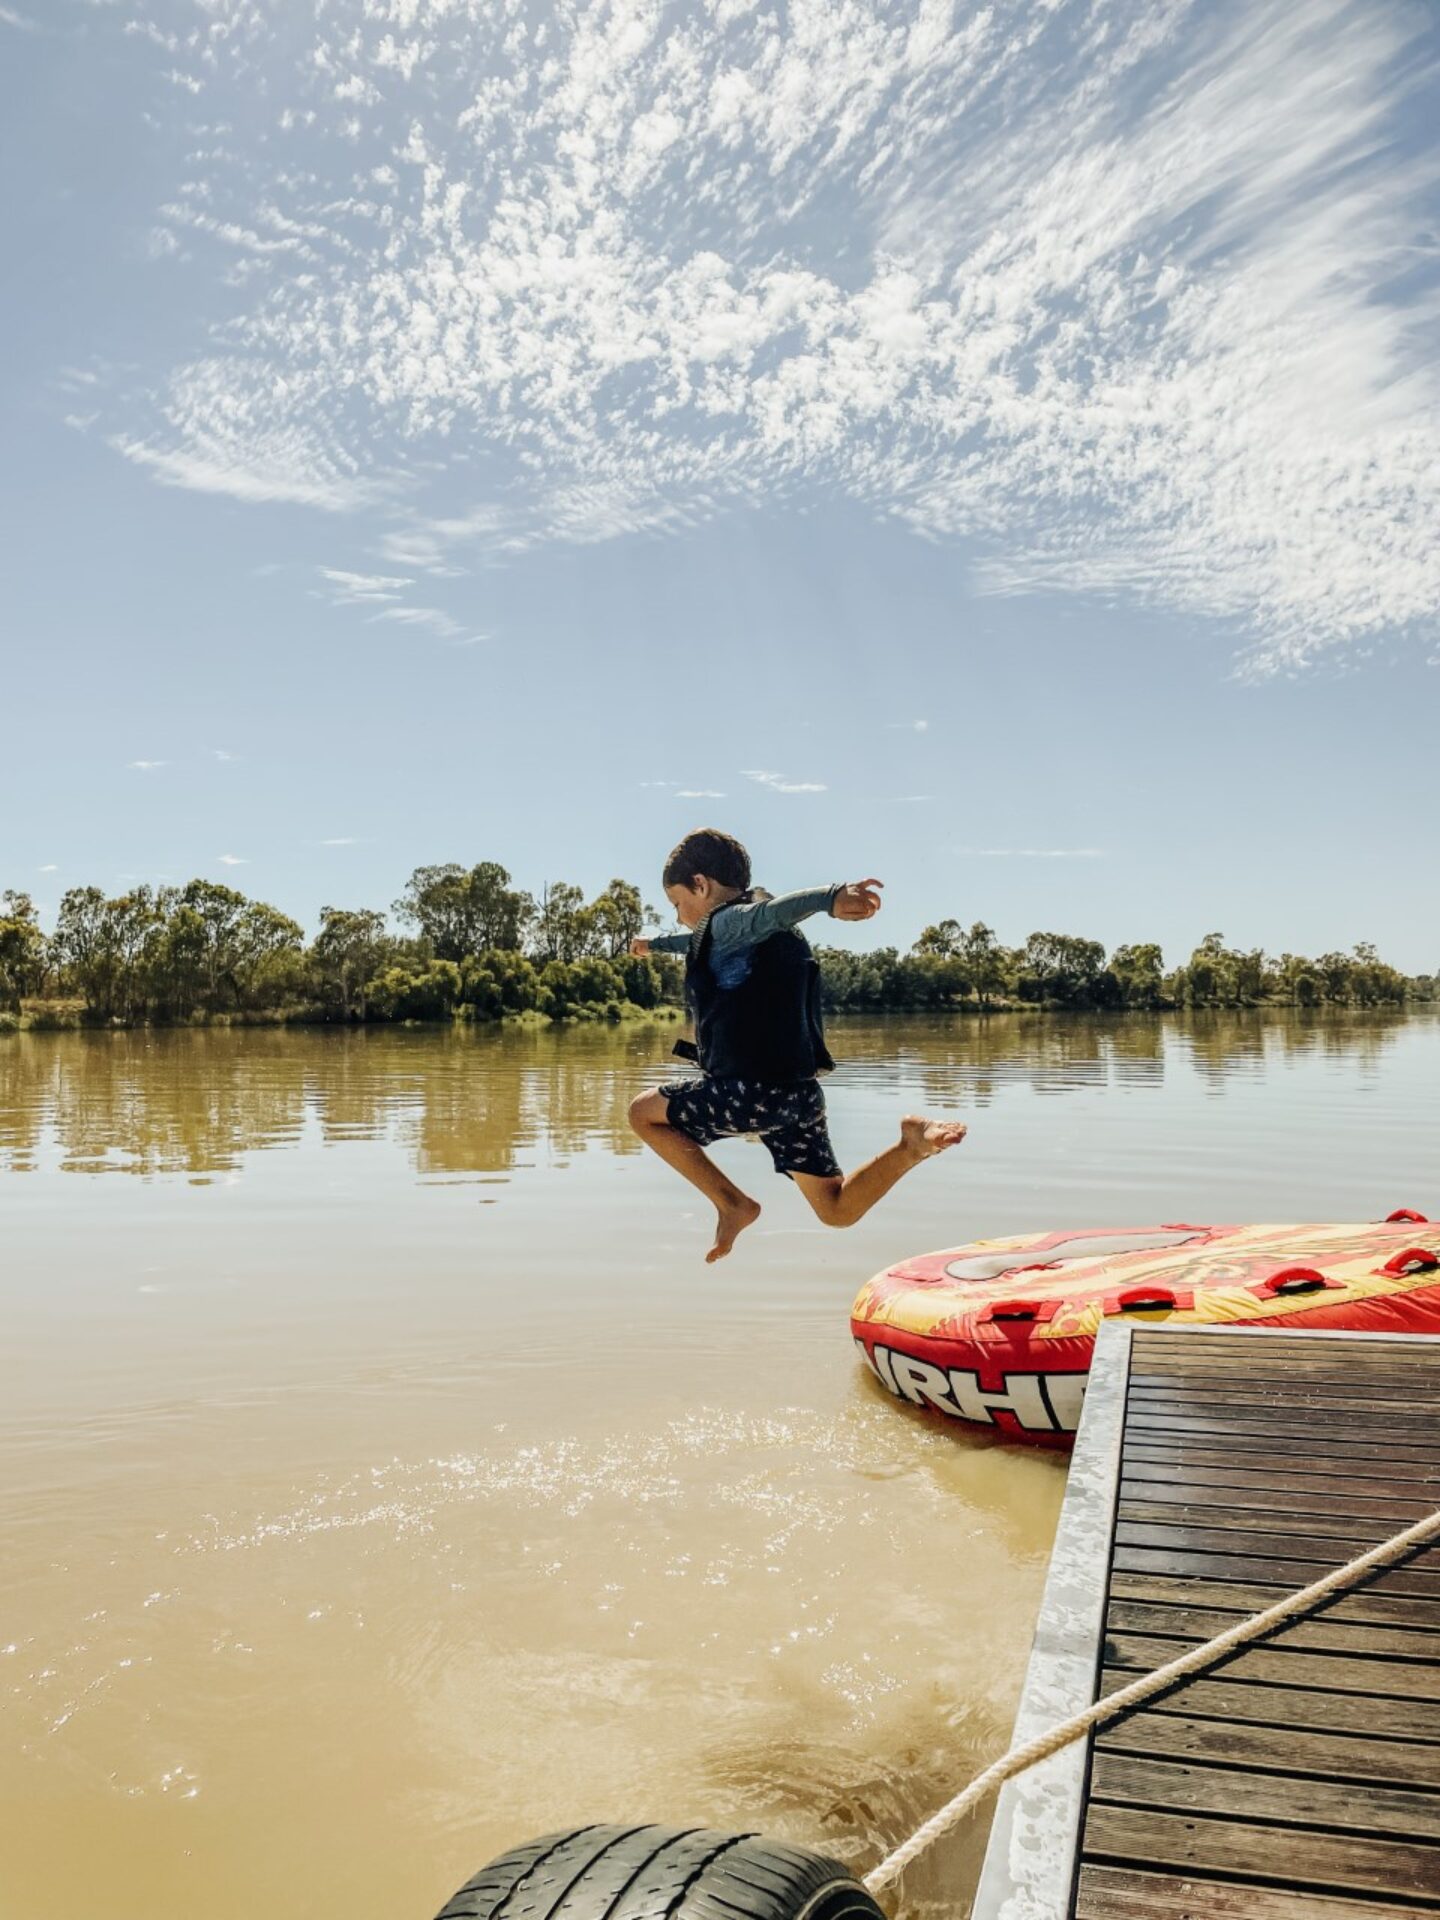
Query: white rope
1055, 1738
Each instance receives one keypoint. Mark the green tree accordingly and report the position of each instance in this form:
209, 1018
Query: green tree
102, 946
944, 940
1210, 978
407, 990
240, 945
987, 963
564, 925
641, 979
346, 955
23, 949
1060, 967
619, 916
460, 911
596, 980
1139, 974
499, 982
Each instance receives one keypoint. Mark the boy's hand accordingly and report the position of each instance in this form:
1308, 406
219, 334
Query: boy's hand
858, 900
639, 948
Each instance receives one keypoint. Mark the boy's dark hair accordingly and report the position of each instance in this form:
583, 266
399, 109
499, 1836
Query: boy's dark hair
719, 856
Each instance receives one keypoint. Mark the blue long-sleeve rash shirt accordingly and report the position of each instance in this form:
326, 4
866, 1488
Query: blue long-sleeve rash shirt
740, 927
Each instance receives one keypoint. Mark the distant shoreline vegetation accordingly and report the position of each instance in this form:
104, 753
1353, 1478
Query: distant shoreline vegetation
477, 949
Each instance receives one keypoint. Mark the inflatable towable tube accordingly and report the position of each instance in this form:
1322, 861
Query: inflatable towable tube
1000, 1332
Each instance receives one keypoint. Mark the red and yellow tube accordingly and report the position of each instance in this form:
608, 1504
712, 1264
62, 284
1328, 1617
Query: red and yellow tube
1000, 1333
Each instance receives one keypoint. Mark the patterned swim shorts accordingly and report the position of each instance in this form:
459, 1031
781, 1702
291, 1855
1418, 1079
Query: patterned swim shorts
789, 1119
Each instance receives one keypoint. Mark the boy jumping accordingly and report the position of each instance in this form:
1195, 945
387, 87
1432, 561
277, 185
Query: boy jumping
753, 989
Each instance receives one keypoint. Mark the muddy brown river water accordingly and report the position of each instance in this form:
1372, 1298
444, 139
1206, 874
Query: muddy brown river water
385, 1479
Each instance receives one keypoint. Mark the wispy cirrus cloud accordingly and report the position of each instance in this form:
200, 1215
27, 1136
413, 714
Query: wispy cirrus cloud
430, 617
698, 793
777, 783
233, 860
383, 596
345, 589
146, 766
495, 281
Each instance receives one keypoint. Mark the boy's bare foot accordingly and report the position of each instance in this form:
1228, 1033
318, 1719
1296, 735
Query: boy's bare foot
923, 1138
732, 1220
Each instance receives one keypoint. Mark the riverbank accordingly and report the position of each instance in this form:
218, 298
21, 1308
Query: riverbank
73, 1016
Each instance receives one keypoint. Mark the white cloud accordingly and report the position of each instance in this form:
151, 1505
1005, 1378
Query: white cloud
10, 18
341, 840
698, 793
270, 466
233, 860
146, 766
909, 726
385, 594
1172, 348
361, 589
52, 868
430, 617
777, 783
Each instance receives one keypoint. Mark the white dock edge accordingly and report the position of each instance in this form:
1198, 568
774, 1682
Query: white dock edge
1029, 1869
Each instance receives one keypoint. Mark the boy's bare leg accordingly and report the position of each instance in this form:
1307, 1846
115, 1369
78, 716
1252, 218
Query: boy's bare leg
735, 1210
845, 1198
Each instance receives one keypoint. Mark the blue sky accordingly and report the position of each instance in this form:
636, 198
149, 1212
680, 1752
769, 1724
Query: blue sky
995, 448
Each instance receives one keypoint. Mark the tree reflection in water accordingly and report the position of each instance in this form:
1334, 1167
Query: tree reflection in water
483, 1101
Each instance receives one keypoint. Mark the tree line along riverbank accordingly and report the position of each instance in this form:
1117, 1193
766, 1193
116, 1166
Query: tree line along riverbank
468, 945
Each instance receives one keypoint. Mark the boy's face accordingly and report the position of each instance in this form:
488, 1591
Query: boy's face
693, 902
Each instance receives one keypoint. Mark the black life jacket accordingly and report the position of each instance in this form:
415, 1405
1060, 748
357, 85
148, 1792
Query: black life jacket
769, 1027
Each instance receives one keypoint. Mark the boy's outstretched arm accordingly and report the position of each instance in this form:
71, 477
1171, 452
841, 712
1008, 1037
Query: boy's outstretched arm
749, 922
661, 943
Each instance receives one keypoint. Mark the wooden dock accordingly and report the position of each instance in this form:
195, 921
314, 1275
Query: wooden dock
1298, 1780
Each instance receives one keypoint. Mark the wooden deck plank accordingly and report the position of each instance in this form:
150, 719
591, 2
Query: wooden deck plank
1167, 1350
1276, 1488
1293, 1544
1364, 1605
1333, 1863
1287, 1575
1184, 1448
1417, 1426
1279, 1381
1284, 1667
1417, 1721
1251, 1432
1122, 1893
1242, 1392
1322, 1633
1323, 1755
1353, 1532
1252, 1438
1281, 1799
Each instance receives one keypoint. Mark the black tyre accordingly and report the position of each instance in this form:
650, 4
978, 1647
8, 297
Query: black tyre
660, 1873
